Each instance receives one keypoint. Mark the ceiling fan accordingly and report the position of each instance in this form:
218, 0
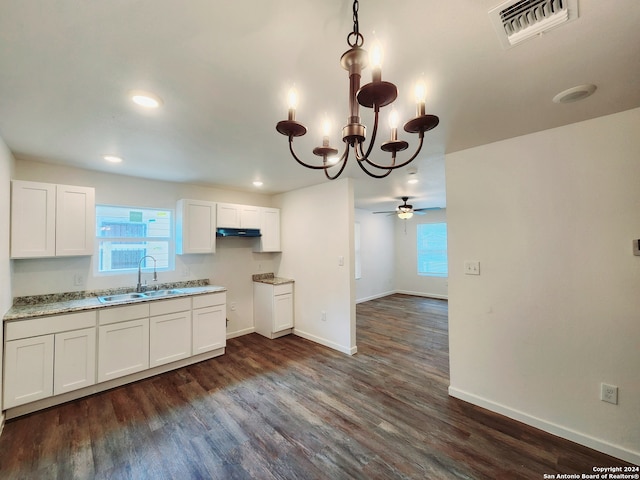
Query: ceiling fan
406, 210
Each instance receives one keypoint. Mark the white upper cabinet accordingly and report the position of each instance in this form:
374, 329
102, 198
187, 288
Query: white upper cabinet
51, 220
269, 230
195, 227
75, 220
231, 215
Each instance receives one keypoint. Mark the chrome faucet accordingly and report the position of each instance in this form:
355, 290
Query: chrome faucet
139, 286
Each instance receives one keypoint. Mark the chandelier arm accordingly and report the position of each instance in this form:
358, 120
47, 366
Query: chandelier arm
315, 167
372, 141
343, 159
371, 174
393, 166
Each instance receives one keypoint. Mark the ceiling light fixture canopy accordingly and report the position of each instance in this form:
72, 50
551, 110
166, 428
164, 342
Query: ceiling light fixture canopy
375, 95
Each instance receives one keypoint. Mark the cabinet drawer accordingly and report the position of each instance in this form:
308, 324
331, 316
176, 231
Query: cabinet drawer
162, 307
283, 289
202, 301
121, 314
43, 326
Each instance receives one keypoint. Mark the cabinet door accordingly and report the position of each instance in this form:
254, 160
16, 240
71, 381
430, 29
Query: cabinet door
270, 230
75, 360
249, 216
75, 220
169, 338
196, 227
33, 219
123, 348
209, 329
28, 370
282, 312
228, 215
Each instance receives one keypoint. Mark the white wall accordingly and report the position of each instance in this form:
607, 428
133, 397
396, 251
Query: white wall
556, 309
376, 254
406, 260
231, 266
6, 171
317, 231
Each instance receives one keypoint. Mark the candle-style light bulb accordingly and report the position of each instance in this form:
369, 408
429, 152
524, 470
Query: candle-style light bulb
326, 130
376, 62
421, 97
393, 124
292, 99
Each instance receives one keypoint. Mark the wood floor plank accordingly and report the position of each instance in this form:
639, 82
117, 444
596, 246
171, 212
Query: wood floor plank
292, 409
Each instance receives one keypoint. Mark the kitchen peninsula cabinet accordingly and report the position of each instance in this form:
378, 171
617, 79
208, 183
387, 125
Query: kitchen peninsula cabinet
273, 308
49, 220
195, 227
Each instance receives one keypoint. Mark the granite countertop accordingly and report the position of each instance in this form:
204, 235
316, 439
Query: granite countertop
68, 302
271, 279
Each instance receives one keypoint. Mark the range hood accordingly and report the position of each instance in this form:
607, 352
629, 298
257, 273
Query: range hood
238, 232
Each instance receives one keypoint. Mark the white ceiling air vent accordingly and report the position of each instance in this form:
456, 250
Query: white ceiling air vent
519, 20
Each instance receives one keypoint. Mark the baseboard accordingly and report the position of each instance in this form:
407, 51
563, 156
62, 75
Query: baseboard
325, 342
239, 333
373, 297
423, 294
549, 427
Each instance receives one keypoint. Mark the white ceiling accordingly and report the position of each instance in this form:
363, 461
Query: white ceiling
223, 69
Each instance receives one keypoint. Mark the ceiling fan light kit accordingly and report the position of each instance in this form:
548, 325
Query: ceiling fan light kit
375, 95
406, 210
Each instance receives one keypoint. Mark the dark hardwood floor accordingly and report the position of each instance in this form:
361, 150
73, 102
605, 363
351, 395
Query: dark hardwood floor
291, 409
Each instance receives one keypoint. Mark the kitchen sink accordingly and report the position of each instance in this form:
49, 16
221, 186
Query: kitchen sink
161, 293
121, 297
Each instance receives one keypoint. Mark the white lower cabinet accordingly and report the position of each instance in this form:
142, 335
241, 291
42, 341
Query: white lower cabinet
28, 370
209, 323
170, 332
47, 356
75, 360
273, 309
123, 348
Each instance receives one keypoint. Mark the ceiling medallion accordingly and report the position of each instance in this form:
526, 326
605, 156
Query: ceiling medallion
374, 95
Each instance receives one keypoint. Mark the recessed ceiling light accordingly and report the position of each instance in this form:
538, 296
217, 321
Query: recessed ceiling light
146, 99
575, 93
257, 183
412, 180
112, 158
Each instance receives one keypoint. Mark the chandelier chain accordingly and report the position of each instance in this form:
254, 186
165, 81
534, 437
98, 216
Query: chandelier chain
355, 38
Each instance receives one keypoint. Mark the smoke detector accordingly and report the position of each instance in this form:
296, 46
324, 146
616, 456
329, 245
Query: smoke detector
518, 20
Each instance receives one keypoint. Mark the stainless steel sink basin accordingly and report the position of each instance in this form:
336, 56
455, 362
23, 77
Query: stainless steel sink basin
121, 297
162, 293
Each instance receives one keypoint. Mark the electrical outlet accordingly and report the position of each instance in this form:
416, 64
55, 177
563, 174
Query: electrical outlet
232, 305
471, 267
78, 280
609, 393
323, 316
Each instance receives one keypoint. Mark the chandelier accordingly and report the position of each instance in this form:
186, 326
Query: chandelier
375, 95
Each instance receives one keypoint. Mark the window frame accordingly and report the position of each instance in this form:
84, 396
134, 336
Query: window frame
422, 252
147, 266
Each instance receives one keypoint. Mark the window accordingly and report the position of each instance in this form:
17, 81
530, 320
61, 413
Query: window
432, 249
125, 235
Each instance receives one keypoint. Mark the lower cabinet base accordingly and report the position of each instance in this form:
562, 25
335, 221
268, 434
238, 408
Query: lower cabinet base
279, 334
101, 387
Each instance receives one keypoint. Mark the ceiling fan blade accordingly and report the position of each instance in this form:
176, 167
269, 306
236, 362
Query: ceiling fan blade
425, 209
388, 211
